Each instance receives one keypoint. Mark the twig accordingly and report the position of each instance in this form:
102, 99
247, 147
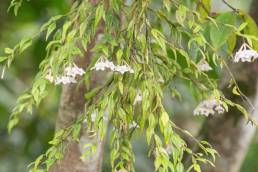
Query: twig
229, 5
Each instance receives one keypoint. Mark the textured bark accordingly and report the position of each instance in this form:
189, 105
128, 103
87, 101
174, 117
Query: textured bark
72, 104
229, 133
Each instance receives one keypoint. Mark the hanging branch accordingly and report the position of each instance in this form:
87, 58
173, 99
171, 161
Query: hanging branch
229, 5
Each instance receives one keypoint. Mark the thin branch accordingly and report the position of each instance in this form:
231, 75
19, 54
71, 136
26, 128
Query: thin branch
229, 5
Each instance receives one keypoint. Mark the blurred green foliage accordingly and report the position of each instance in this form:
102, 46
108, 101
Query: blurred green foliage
31, 137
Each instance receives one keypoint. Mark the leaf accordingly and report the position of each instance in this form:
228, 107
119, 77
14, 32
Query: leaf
167, 4
251, 28
25, 43
160, 38
235, 91
242, 110
231, 42
15, 4
13, 122
3, 59
99, 14
65, 29
92, 93
220, 34
175, 93
180, 167
164, 119
181, 14
50, 29
76, 131
197, 168
120, 87
8, 51
242, 26
48, 23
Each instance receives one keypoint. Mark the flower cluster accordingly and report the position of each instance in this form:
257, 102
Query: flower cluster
209, 106
69, 76
245, 54
204, 66
104, 64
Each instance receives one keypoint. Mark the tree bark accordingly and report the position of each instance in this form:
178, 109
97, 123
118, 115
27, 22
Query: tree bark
229, 133
72, 104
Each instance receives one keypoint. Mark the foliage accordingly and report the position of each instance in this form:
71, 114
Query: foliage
162, 41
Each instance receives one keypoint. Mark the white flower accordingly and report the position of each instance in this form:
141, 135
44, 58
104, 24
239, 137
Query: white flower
245, 54
65, 80
99, 66
73, 71
204, 66
133, 125
69, 76
103, 64
209, 106
110, 65
138, 98
124, 68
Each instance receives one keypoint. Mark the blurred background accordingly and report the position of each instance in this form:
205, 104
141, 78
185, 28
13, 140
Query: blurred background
31, 137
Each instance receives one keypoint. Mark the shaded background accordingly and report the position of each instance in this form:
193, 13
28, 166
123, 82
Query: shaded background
31, 137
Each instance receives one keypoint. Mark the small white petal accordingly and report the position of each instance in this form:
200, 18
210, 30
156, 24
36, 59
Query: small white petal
245, 54
204, 66
133, 125
209, 107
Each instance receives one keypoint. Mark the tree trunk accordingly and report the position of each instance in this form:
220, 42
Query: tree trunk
229, 133
72, 104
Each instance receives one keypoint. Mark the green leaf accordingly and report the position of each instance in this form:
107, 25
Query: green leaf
242, 110
8, 51
235, 91
15, 4
181, 14
76, 131
167, 4
50, 29
65, 29
251, 28
197, 168
120, 87
231, 42
204, 8
180, 167
25, 43
99, 14
3, 59
220, 34
13, 122
160, 38
92, 93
